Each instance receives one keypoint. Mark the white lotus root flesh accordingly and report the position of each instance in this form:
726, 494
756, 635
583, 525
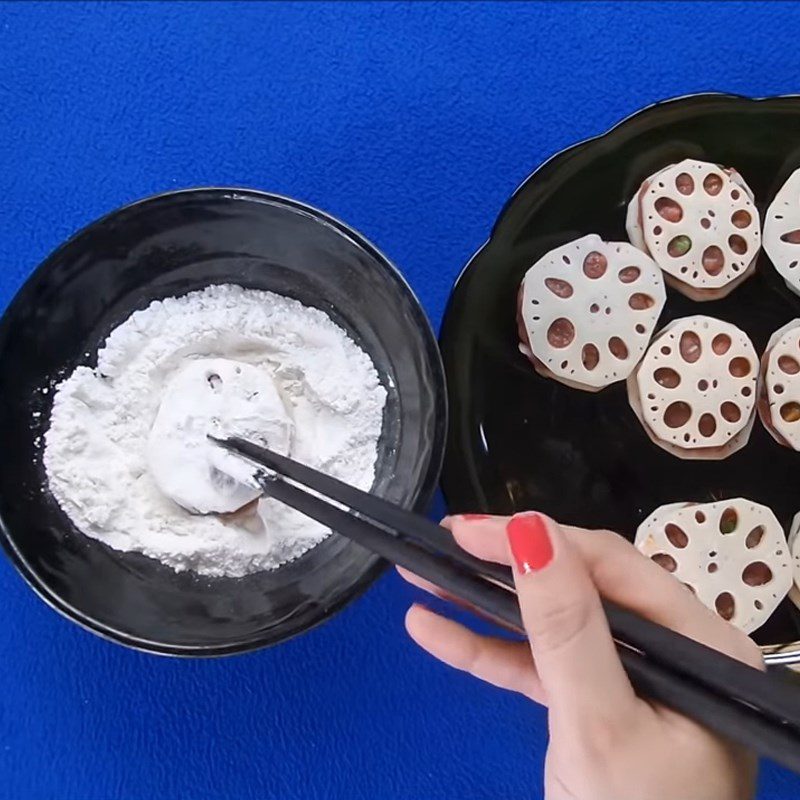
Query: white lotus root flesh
731, 553
779, 394
699, 223
587, 310
794, 550
220, 397
695, 390
782, 232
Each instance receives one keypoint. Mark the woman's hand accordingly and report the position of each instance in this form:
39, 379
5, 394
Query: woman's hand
605, 742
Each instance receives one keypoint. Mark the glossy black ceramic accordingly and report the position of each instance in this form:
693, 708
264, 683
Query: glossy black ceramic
166, 246
519, 441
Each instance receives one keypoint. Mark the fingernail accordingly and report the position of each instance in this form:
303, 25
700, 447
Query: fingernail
530, 543
473, 517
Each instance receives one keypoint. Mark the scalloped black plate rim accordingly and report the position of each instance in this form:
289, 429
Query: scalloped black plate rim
577, 146
421, 500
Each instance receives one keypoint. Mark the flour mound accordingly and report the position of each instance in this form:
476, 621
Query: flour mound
96, 448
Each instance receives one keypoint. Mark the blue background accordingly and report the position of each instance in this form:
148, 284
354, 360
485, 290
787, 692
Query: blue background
412, 123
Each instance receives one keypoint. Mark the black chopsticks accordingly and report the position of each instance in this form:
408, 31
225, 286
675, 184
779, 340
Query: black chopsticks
742, 703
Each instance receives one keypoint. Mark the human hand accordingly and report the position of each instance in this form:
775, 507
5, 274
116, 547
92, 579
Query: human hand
605, 742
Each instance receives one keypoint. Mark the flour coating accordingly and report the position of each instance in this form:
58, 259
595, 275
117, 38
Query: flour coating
96, 448
217, 397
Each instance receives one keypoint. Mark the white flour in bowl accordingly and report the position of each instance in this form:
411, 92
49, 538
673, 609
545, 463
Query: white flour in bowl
96, 448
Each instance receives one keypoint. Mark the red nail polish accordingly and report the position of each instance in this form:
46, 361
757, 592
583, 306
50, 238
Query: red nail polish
473, 517
530, 542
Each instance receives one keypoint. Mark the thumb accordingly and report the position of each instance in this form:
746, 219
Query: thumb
575, 655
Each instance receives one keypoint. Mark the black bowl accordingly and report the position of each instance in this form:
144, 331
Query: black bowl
165, 246
517, 440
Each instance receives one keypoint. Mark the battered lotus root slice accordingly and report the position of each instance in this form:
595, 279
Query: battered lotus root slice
794, 550
779, 392
732, 554
782, 232
700, 224
695, 390
586, 311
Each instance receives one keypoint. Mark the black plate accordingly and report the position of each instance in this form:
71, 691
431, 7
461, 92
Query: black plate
518, 441
165, 246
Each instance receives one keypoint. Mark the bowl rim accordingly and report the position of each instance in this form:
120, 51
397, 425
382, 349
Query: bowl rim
422, 496
788, 653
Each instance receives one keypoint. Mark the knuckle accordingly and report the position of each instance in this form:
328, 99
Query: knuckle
600, 737
557, 625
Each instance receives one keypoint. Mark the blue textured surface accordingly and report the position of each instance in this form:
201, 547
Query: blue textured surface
413, 123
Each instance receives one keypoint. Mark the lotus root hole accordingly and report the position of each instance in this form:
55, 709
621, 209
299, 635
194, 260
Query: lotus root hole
747, 391
730, 412
739, 367
641, 328
725, 605
669, 209
702, 385
595, 265
707, 425
666, 377
684, 183
558, 287
690, 347
677, 537
793, 237
666, 351
735, 194
705, 222
679, 246
665, 561
721, 344
700, 517
657, 230
790, 411
754, 537
677, 414
561, 333
618, 348
640, 301
590, 356
789, 365
737, 244
728, 521
594, 308
741, 219
629, 274
758, 604
713, 260
757, 574
712, 567
712, 183
778, 388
